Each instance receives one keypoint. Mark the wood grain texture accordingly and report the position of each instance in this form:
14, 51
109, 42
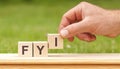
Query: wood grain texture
61, 61
59, 66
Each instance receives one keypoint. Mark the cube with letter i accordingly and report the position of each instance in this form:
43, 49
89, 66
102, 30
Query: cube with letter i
55, 41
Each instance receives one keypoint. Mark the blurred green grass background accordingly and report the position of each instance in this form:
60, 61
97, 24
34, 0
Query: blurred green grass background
32, 20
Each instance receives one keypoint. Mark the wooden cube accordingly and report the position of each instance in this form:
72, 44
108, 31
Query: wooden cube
25, 49
40, 49
55, 41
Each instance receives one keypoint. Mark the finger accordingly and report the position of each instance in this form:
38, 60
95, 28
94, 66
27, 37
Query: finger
86, 37
70, 17
75, 28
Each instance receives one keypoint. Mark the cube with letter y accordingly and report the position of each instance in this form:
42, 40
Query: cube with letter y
55, 41
40, 49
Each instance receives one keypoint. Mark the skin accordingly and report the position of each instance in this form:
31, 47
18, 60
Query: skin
86, 20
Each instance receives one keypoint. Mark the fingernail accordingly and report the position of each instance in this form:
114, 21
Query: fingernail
64, 33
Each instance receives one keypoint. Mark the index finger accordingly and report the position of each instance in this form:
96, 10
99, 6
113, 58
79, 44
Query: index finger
72, 16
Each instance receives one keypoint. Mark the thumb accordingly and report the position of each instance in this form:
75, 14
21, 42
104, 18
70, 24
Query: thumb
73, 29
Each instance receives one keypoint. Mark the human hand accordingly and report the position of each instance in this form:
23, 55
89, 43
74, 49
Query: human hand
86, 20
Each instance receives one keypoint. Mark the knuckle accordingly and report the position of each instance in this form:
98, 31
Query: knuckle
64, 15
83, 2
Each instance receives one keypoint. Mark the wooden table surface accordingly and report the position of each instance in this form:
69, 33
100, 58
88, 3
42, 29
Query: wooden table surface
61, 61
